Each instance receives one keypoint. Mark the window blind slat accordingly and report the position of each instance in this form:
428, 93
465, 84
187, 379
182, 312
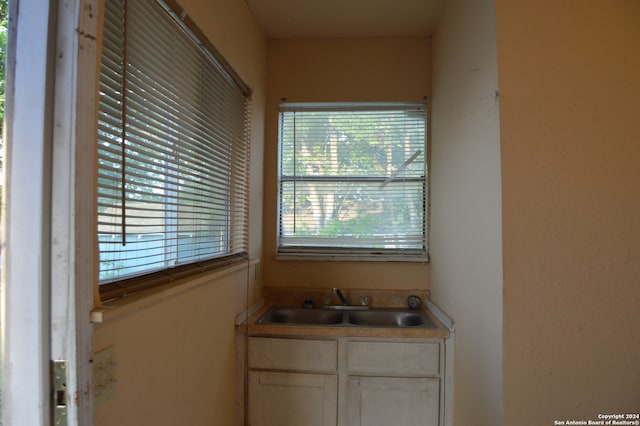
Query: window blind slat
352, 179
183, 184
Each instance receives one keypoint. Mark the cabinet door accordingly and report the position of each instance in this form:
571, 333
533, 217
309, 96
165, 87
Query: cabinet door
384, 401
291, 399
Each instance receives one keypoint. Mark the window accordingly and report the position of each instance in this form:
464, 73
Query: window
172, 145
352, 181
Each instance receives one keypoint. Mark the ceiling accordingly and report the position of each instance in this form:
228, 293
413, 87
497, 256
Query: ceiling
301, 19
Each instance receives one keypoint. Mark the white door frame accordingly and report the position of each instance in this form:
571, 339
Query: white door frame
49, 273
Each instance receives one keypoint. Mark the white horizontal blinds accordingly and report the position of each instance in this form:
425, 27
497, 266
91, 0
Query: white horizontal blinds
352, 178
173, 147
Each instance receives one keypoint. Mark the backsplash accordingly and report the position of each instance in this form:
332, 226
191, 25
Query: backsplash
294, 296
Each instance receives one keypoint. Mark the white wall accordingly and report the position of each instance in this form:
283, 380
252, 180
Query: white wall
466, 253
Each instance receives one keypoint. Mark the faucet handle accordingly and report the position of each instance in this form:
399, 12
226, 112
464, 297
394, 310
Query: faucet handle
414, 302
326, 299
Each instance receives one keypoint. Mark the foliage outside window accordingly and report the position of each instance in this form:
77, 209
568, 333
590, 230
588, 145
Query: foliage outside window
172, 146
352, 181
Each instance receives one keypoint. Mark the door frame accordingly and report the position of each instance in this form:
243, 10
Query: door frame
49, 267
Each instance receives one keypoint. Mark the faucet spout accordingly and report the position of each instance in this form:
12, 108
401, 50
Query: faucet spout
338, 293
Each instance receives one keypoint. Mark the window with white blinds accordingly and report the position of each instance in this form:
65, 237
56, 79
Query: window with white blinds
172, 145
352, 181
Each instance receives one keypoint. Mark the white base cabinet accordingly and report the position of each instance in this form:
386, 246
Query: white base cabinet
291, 399
346, 381
392, 383
384, 401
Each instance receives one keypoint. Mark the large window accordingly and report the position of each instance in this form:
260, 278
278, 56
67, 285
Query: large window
352, 181
172, 145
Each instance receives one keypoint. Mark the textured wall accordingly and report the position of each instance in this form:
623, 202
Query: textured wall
466, 268
340, 70
176, 360
570, 85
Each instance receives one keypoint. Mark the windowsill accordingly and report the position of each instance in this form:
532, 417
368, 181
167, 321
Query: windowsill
122, 306
352, 258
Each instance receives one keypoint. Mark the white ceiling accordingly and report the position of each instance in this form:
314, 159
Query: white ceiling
346, 18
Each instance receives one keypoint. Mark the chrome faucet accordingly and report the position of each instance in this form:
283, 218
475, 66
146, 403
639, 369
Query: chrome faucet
338, 293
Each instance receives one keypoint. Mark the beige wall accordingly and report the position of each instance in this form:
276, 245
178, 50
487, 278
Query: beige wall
569, 109
177, 357
466, 254
355, 70
549, 190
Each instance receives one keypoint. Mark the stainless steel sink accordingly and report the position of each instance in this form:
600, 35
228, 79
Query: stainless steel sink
390, 318
302, 316
347, 318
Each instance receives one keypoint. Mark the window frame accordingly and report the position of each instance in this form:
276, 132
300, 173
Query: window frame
235, 195
324, 253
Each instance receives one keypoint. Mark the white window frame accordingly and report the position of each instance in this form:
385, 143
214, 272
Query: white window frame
323, 253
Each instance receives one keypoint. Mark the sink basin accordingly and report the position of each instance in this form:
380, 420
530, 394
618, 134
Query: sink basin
391, 318
302, 316
378, 317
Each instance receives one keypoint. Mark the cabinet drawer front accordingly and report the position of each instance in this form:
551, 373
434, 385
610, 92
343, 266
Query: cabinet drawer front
291, 354
401, 359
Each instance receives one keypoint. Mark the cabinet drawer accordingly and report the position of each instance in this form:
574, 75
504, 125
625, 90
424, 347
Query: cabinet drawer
398, 359
292, 354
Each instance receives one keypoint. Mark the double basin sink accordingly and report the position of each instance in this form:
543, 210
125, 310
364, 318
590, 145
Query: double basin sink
347, 316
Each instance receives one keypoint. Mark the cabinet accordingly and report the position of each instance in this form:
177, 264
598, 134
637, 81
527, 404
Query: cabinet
292, 382
291, 399
392, 383
385, 401
345, 381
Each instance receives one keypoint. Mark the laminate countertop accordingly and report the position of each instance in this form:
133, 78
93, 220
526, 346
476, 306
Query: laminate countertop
253, 327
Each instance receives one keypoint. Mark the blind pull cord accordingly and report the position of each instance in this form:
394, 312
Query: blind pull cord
400, 169
123, 137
